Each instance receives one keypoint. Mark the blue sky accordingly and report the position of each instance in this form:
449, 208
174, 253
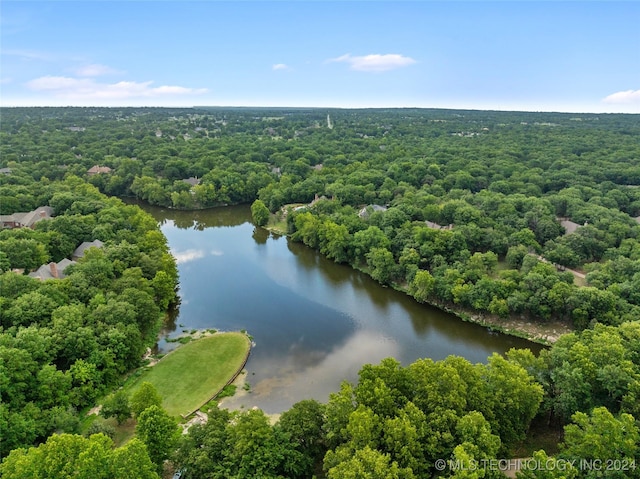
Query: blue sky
510, 55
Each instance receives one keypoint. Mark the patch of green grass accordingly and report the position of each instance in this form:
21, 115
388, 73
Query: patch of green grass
540, 436
124, 431
581, 282
502, 266
86, 422
191, 374
227, 391
277, 224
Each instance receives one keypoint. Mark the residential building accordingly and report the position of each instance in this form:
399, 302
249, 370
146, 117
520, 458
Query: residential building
52, 270
26, 220
80, 250
96, 169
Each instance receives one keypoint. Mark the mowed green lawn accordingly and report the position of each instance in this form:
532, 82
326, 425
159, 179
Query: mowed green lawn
191, 374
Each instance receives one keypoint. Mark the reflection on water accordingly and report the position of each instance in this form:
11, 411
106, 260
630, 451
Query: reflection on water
303, 373
200, 219
260, 235
314, 323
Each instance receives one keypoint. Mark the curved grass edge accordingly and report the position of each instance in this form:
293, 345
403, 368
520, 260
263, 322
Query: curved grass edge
177, 367
231, 379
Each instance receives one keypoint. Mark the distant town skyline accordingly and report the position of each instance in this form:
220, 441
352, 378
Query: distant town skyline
576, 56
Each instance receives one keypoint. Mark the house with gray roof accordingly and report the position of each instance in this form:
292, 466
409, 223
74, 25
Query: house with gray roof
436, 226
97, 169
56, 270
193, 181
367, 210
52, 270
26, 220
569, 226
80, 250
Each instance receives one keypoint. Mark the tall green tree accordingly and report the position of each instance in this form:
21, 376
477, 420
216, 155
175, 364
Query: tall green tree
511, 400
369, 463
422, 286
159, 432
145, 397
381, 264
613, 441
24, 253
259, 450
117, 405
259, 213
68, 456
303, 422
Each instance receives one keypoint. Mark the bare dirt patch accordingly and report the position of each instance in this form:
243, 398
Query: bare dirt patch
547, 332
95, 410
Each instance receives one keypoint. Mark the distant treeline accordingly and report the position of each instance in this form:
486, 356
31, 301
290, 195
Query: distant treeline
497, 184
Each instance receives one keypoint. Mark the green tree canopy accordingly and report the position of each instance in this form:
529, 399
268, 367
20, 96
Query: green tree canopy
144, 397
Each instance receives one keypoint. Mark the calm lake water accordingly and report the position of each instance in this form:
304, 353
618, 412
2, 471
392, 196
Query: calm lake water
314, 323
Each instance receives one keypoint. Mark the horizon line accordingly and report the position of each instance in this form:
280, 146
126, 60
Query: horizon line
310, 107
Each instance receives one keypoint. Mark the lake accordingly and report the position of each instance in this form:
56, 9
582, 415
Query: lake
314, 323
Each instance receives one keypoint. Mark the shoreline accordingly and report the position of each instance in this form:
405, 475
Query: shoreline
545, 333
541, 333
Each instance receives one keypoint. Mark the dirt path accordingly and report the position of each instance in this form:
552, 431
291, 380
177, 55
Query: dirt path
577, 274
95, 410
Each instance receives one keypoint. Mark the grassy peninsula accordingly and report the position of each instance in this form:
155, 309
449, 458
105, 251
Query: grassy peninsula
191, 375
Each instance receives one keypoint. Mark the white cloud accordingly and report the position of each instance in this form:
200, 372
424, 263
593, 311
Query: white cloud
280, 66
627, 97
89, 89
188, 255
176, 90
374, 63
57, 83
28, 55
95, 70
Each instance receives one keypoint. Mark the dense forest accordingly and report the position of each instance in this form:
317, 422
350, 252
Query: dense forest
479, 210
513, 215
67, 340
